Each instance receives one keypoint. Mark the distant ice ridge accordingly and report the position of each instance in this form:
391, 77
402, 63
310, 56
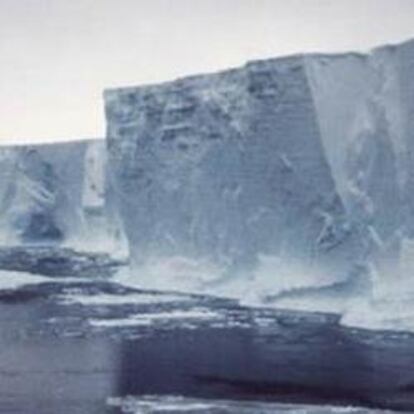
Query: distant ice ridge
55, 194
287, 182
40, 192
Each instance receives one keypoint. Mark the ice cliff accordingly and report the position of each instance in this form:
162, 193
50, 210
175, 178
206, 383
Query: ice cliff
365, 107
40, 191
53, 194
294, 175
288, 182
229, 170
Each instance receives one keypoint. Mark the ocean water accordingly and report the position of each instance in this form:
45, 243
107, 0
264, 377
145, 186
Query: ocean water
77, 345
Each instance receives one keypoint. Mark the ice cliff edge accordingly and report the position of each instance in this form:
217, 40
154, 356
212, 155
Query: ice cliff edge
54, 194
299, 166
227, 168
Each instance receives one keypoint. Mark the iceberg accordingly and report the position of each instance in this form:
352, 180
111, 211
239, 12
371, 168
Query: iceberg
54, 194
287, 182
227, 168
41, 192
365, 108
289, 179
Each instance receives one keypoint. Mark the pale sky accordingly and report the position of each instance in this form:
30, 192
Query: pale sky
57, 56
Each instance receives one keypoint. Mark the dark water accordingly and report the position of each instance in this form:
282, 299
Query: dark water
61, 355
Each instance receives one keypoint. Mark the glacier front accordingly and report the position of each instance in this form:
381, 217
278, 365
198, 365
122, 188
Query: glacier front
228, 171
55, 194
287, 181
41, 191
365, 106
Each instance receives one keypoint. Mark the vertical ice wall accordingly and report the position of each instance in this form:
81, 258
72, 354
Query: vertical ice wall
365, 111
94, 230
359, 115
102, 229
94, 176
55, 193
404, 56
365, 106
357, 105
41, 191
8, 164
227, 168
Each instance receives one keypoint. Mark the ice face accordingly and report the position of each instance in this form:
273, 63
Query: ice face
359, 113
227, 168
286, 181
55, 193
365, 109
357, 107
93, 195
296, 171
41, 191
102, 229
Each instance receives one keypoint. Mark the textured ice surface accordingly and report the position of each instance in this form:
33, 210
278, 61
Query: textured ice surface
287, 181
101, 228
41, 192
365, 108
214, 171
55, 194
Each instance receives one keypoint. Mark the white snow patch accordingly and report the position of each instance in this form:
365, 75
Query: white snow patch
391, 305
157, 404
113, 299
178, 274
14, 280
144, 319
387, 315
